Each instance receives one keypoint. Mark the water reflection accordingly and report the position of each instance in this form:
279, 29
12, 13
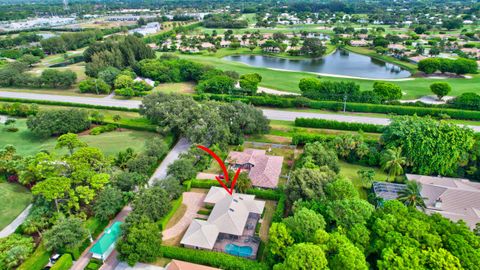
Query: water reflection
340, 62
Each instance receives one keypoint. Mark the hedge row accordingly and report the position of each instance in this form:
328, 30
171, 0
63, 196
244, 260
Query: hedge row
175, 205
280, 210
211, 258
37, 260
337, 125
304, 138
290, 102
69, 104
64, 263
265, 194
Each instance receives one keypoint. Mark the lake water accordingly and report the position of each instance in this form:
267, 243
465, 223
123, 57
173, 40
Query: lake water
340, 62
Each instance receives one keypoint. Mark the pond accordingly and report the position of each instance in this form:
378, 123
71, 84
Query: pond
340, 62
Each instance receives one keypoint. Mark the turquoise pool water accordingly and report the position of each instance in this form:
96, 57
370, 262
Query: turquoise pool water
242, 251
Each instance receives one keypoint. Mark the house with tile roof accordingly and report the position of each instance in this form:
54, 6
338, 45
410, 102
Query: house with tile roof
233, 218
263, 170
181, 265
454, 198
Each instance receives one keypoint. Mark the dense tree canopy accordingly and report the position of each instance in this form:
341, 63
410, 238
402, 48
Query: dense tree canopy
422, 141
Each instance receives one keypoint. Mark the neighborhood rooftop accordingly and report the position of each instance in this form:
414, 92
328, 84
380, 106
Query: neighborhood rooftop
229, 216
453, 198
264, 170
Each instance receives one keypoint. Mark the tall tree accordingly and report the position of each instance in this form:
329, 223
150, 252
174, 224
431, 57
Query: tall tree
392, 161
411, 195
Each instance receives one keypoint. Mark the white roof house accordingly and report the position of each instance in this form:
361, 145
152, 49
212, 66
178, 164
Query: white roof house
228, 216
201, 234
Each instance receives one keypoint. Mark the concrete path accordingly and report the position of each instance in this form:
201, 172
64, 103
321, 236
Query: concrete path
429, 100
15, 223
275, 92
209, 176
269, 113
82, 262
182, 146
193, 201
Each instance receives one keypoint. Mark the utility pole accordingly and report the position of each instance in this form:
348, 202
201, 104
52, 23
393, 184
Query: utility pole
345, 96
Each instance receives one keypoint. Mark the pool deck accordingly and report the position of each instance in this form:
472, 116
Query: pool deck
248, 238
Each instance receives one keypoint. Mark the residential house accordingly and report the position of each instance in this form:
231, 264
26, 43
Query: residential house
181, 265
263, 170
231, 223
454, 198
359, 43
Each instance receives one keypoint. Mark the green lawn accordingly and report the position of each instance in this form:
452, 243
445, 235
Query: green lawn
110, 143
13, 200
349, 171
288, 80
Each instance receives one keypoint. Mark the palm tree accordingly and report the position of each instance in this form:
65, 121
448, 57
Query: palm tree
392, 161
411, 196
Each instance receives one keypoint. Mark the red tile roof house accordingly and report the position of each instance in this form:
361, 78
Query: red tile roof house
263, 170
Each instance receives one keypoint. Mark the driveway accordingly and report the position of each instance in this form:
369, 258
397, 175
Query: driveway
269, 113
193, 201
160, 173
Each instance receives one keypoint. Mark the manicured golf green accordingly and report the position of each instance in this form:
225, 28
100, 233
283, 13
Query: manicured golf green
14, 198
110, 143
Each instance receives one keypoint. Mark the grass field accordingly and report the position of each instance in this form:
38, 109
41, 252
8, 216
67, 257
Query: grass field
349, 171
110, 143
179, 88
13, 200
288, 80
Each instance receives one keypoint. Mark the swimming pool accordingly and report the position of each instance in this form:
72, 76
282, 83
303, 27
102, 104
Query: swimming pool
242, 251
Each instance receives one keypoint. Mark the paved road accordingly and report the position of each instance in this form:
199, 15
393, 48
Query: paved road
15, 223
269, 113
182, 146
74, 99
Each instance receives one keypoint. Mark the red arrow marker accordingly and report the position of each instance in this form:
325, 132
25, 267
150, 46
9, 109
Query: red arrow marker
224, 169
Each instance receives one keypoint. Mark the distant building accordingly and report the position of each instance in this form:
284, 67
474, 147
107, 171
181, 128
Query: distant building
359, 43
148, 29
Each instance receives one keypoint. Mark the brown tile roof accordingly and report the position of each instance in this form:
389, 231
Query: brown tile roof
266, 169
181, 265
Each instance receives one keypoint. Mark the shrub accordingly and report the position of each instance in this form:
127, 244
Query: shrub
280, 210
64, 263
469, 101
97, 86
204, 212
187, 185
211, 258
18, 109
332, 124
102, 129
37, 260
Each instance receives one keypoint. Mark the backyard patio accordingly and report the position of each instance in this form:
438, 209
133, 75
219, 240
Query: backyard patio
248, 239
